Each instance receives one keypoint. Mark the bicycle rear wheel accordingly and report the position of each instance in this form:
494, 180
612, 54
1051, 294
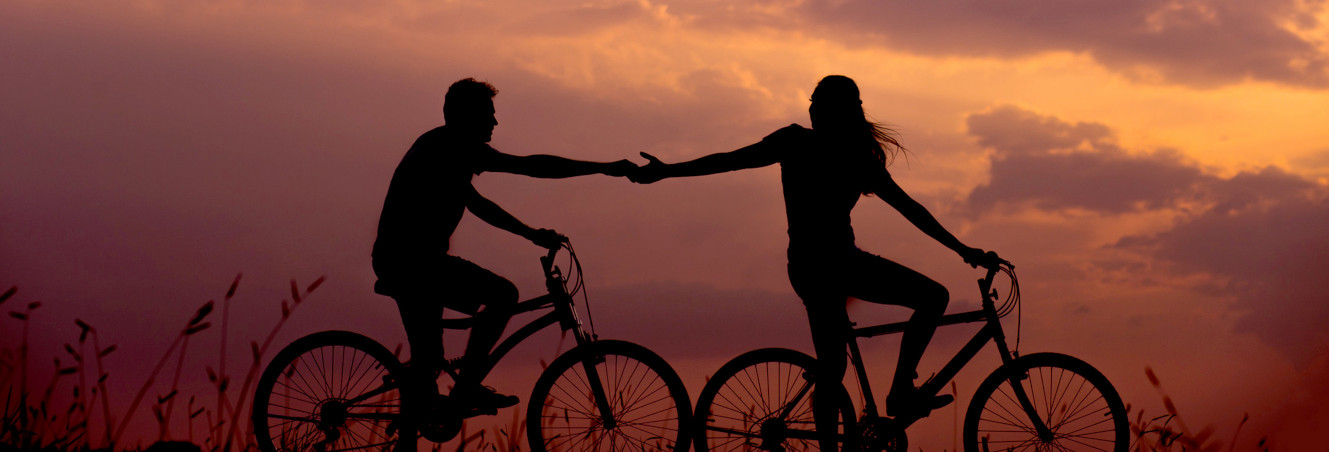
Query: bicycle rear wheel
329, 391
762, 400
647, 401
1076, 402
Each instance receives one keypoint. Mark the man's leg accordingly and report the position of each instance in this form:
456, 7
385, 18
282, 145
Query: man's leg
419, 386
421, 317
485, 333
480, 288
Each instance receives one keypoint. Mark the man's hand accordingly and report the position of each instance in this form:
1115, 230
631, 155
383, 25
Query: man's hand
620, 168
651, 173
978, 258
547, 238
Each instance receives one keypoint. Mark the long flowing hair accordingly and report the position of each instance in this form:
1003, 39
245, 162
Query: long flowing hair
840, 96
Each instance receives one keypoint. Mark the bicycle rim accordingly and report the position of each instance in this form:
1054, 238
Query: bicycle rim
1075, 401
328, 392
761, 400
647, 401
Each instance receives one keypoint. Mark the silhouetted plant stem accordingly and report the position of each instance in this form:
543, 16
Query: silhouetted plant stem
222, 380
24, 416
258, 351
82, 398
169, 398
101, 386
195, 325
133, 405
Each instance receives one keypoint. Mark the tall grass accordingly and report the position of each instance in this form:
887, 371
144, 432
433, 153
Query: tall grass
30, 421
1169, 432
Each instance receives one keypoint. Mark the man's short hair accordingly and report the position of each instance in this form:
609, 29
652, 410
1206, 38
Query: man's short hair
465, 96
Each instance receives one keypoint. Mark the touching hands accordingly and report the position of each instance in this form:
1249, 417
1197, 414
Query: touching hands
652, 172
620, 168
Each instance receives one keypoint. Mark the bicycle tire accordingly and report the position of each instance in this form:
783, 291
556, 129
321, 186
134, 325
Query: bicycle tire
1074, 400
650, 405
328, 391
739, 407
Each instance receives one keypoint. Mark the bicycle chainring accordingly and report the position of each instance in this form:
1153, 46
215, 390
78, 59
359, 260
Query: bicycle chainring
882, 435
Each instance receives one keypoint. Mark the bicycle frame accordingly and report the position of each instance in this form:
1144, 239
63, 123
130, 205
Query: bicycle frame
563, 313
990, 332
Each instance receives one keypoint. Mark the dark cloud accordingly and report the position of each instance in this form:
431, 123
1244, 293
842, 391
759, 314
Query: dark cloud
1260, 234
1317, 162
1271, 257
1191, 42
1055, 165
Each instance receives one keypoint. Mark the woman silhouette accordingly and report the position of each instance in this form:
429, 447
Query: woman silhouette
824, 171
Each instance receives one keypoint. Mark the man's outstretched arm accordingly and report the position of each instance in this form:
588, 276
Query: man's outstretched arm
555, 167
491, 213
751, 156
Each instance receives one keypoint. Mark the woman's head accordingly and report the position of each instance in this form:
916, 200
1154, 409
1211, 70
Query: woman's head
835, 104
837, 110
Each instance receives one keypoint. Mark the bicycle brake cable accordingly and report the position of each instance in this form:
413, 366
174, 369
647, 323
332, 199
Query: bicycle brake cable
1019, 307
580, 286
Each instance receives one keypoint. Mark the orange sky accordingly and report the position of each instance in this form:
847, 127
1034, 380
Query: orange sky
1158, 171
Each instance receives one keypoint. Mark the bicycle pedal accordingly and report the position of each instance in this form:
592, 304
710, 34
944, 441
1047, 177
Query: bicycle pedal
481, 411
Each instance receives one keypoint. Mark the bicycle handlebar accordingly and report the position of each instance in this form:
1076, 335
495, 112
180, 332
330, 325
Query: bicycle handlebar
548, 260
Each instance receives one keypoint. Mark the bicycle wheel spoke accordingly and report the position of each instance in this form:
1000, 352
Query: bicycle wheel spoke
760, 400
1075, 402
325, 391
645, 408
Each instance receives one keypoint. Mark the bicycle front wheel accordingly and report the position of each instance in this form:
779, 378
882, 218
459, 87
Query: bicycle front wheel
646, 403
1075, 401
329, 391
762, 400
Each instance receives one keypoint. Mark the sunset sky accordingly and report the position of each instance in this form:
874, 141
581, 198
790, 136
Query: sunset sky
1157, 170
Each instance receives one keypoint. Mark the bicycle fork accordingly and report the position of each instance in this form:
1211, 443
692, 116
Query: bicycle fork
1015, 379
572, 323
598, 391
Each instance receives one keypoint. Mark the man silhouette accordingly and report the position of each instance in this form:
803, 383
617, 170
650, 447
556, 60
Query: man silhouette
430, 190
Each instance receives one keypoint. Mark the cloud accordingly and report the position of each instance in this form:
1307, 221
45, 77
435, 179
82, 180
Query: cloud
1268, 247
1258, 235
1056, 165
1317, 162
1189, 42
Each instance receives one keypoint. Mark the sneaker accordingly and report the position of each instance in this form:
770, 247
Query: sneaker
914, 403
482, 398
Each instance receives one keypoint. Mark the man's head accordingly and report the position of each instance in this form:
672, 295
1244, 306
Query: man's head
468, 108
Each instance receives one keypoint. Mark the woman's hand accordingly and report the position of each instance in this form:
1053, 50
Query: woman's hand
653, 171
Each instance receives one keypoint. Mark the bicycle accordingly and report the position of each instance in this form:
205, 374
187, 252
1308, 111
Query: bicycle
761, 400
337, 390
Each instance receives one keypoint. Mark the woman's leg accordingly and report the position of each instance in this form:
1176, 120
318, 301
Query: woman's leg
829, 322
879, 280
817, 285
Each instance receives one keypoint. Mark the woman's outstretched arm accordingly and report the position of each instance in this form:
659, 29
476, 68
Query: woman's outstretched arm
752, 156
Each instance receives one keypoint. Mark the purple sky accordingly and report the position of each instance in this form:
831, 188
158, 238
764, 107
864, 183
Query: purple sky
1156, 170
